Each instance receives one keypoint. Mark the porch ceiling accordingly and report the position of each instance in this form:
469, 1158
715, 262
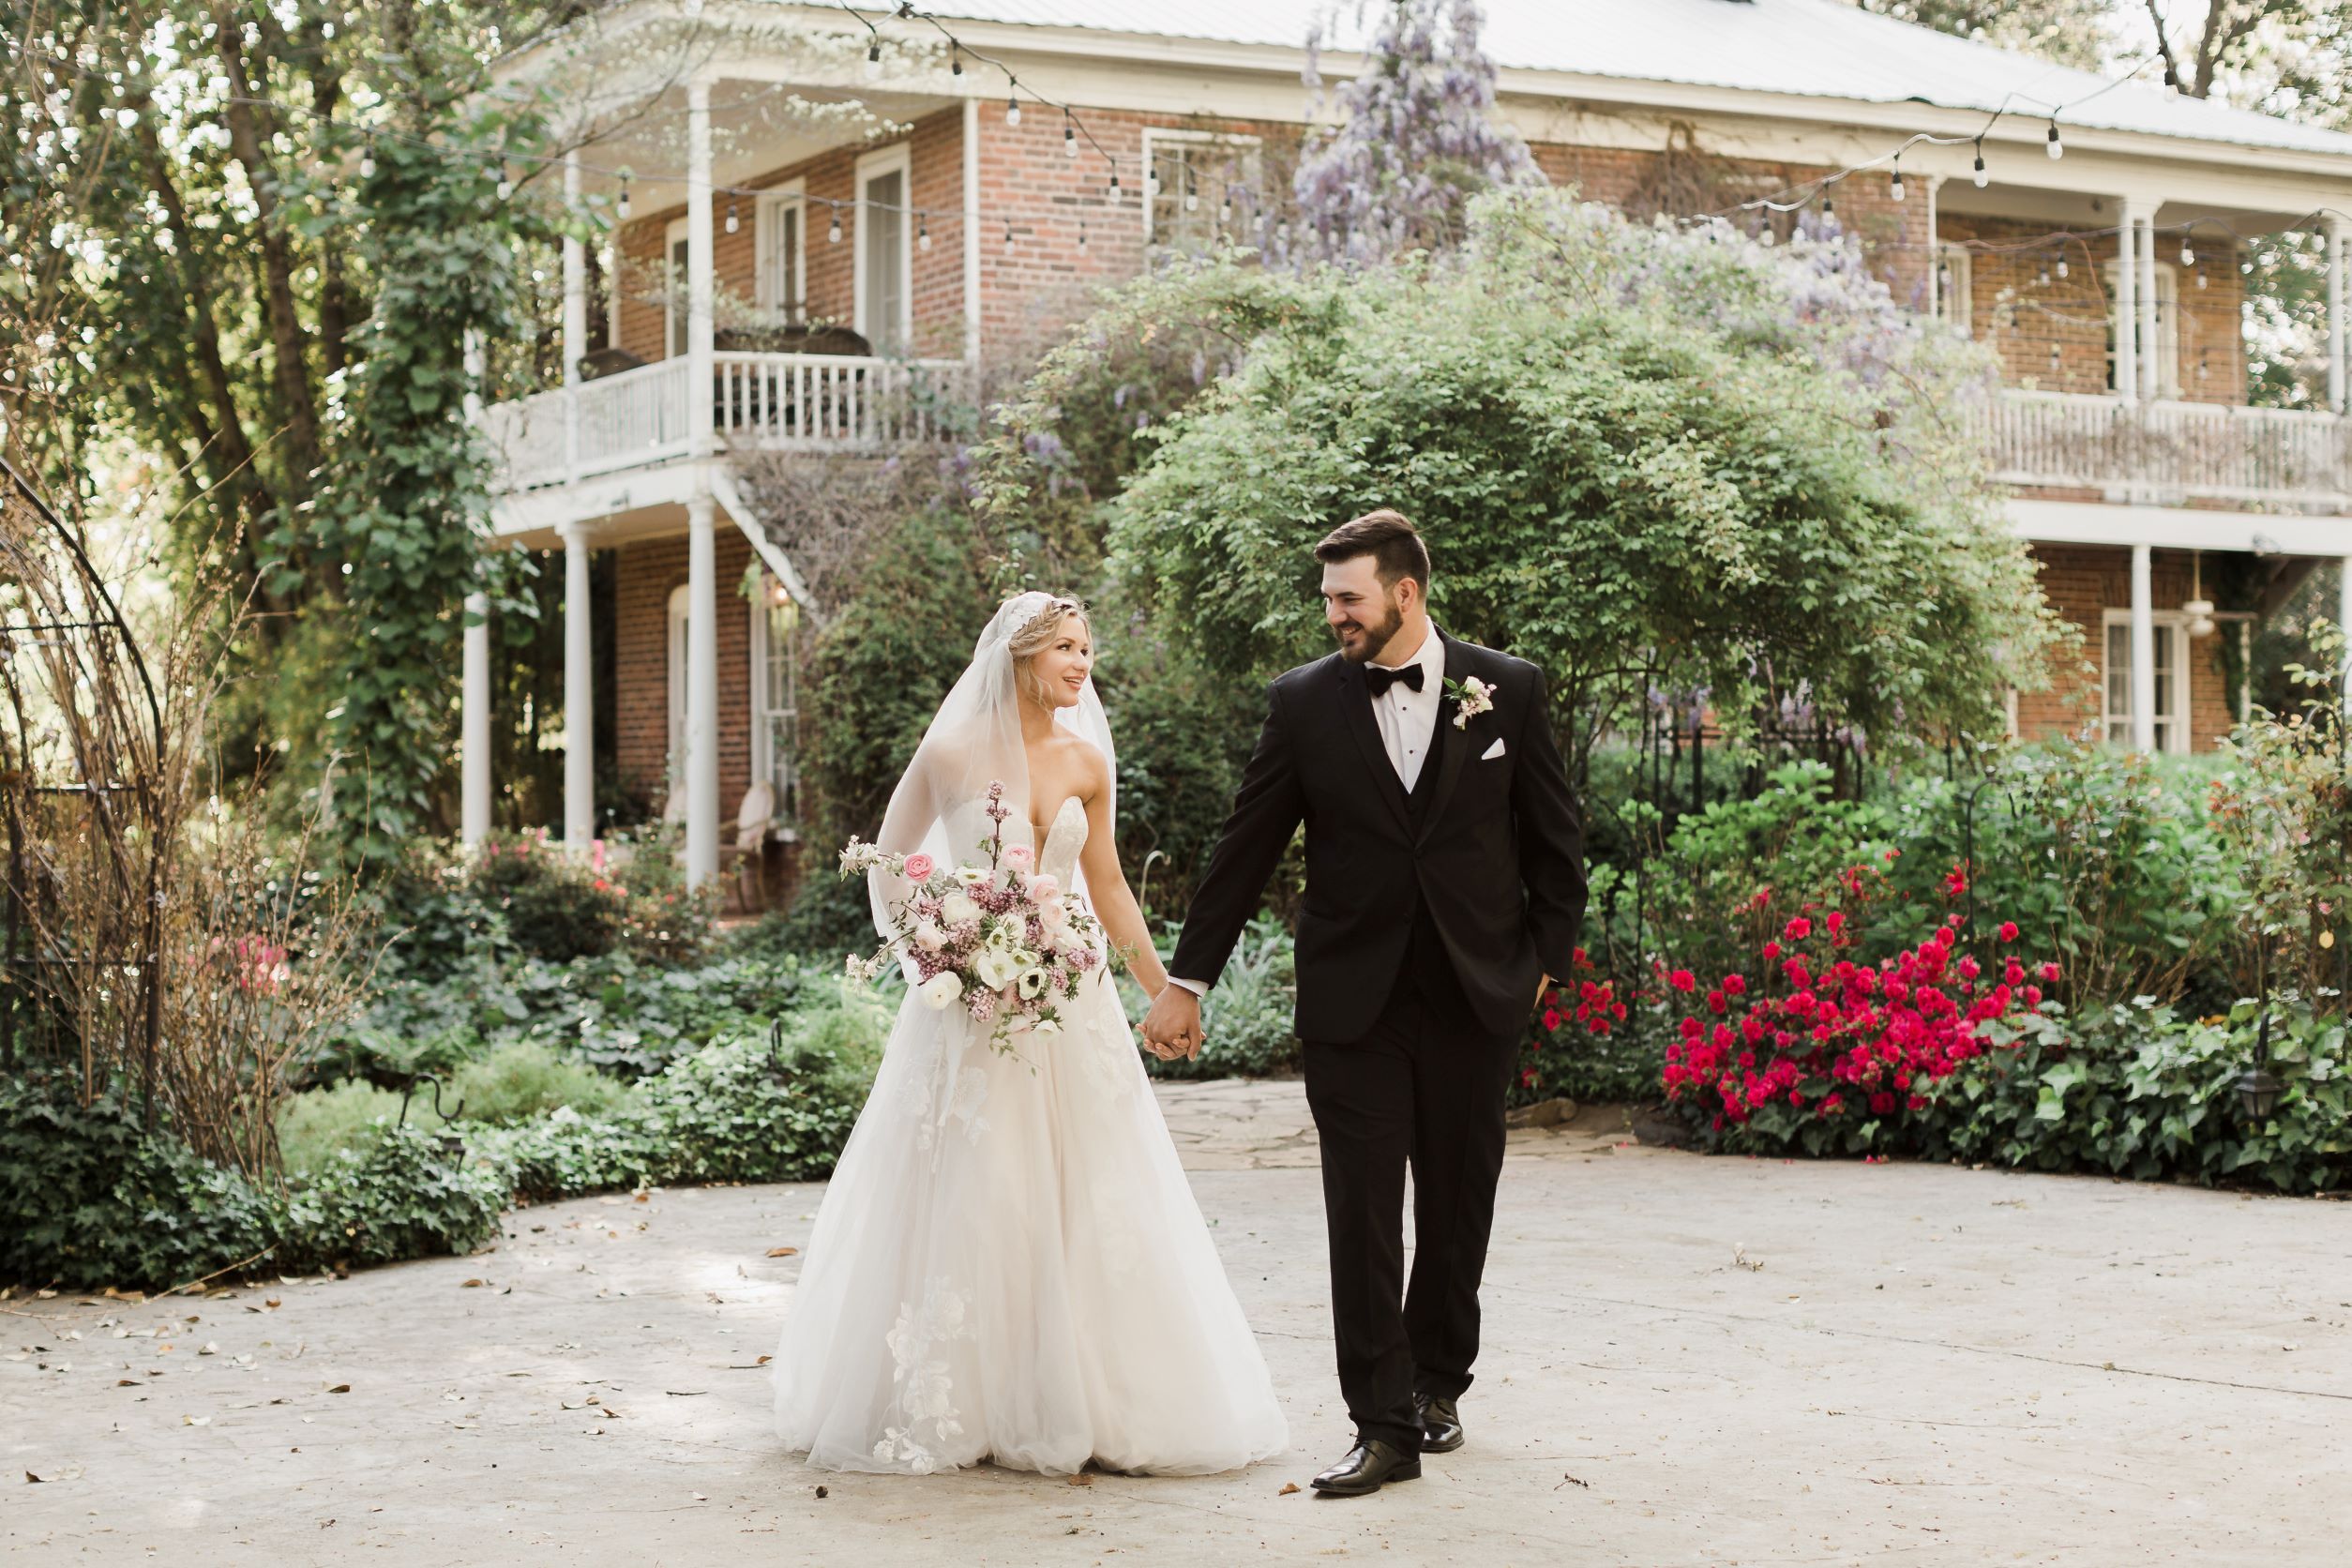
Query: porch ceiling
2092, 210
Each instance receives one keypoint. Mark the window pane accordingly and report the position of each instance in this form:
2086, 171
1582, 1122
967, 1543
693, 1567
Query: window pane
886, 260
2118, 681
677, 289
1196, 179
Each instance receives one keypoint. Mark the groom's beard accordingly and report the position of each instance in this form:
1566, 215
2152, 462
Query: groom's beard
1370, 641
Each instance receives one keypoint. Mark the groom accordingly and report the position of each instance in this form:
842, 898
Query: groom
1444, 885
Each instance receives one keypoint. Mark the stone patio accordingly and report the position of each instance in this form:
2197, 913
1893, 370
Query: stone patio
1689, 1361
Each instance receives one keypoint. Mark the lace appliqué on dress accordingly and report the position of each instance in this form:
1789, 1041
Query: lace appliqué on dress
926, 1395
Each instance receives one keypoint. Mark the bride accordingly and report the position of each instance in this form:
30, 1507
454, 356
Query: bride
1009, 1263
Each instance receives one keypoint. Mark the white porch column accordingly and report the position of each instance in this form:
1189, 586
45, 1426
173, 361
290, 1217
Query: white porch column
575, 318
579, 695
2335, 312
2143, 654
701, 290
2127, 306
2343, 625
2151, 358
474, 715
972, 232
702, 716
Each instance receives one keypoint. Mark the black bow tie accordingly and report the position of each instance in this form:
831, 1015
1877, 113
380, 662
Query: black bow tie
1379, 680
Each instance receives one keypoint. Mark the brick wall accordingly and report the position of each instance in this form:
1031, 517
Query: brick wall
646, 572
935, 166
2083, 581
2050, 332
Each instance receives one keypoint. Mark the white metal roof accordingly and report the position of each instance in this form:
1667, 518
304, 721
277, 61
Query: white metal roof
1825, 48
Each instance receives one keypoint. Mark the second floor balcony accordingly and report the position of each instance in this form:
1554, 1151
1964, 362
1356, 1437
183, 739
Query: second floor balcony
645, 416
2229, 457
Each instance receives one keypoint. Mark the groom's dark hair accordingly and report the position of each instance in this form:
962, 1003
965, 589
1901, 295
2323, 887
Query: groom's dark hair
1391, 542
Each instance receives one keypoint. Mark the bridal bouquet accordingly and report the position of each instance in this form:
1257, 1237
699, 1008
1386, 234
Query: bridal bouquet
1001, 939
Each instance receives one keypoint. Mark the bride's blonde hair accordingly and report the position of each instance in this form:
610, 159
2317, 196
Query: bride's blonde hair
1034, 639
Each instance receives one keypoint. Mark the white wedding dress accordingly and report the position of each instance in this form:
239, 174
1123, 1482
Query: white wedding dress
1009, 1264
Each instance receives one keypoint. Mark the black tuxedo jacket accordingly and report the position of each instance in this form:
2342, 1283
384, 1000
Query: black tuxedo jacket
1498, 857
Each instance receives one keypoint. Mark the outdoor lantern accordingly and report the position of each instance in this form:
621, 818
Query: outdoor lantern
2198, 609
2258, 1089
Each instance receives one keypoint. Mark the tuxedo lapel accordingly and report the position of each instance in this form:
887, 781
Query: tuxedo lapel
1355, 703
1457, 668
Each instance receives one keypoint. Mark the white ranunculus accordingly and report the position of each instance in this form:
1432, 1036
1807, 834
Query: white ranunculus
997, 968
927, 936
940, 989
1053, 915
957, 907
1048, 1025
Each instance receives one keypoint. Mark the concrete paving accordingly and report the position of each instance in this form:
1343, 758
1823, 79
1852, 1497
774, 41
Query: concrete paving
1688, 1361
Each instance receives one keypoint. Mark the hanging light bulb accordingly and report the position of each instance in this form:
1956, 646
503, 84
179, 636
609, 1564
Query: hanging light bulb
2061, 267
1116, 194
1150, 182
1069, 135
873, 56
731, 224
1192, 191
1898, 177
1225, 210
2188, 256
2044, 280
2200, 280
2053, 359
1008, 239
1081, 236
956, 60
624, 199
833, 231
923, 233
367, 165
1829, 205
1979, 176
2056, 149
506, 185
1013, 110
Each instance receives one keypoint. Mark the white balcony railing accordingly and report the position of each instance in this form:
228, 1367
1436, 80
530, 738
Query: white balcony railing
2170, 452
640, 416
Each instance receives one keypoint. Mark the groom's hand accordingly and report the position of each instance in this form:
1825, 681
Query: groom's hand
1173, 1028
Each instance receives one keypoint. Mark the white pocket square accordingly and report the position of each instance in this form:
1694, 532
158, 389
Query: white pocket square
1493, 751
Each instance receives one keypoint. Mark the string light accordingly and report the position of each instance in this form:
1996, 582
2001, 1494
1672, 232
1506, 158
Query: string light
1116, 194
873, 56
1981, 179
1081, 236
1192, 190
833, 234
956, 60
623, 208
1013, 110
2061, 267
1069, 135
2188, 256
923, 233
2056, 148
731, 224
1008, 239
368, 163
1898, 176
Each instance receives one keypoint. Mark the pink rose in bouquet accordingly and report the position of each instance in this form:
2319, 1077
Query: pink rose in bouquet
919, 867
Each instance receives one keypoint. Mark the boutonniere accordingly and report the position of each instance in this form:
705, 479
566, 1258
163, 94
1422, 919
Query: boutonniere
1471, 697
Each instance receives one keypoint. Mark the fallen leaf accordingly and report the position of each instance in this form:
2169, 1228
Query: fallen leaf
272, 1302
1586, 1484
1288, 1487
472, 1283
340, 1388
129, 1383
1081, 1481
196, 1420
647, 1198
31, 1477
824, 1492
764, 1360
782, 1251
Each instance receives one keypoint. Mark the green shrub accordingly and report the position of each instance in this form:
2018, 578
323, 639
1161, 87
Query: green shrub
776, 1109
556, 907
406, 1192
88, 1200
314, 1123
526, 1079
564, 1153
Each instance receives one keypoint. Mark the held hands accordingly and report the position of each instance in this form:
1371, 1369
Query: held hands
1172, 1029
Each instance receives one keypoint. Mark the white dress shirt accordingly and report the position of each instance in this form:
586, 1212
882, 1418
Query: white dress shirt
1408, 721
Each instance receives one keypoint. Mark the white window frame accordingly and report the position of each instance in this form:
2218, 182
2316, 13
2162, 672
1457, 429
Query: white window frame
1157, 137
2167, 347
2172, 737
765, 708
674, 311
895, 159
1955, 300
767, 215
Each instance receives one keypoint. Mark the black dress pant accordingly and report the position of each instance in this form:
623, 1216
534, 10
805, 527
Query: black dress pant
1424, 1089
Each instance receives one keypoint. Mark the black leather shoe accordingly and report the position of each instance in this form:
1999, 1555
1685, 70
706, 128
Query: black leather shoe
1369, 1465
1441, 1423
